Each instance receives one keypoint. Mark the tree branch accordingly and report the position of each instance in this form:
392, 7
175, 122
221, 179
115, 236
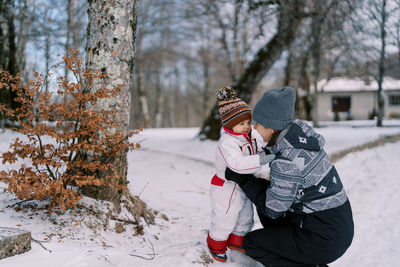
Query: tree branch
152, 256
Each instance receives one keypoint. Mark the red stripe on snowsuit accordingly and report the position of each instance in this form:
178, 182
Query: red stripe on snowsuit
220, 182
230, 199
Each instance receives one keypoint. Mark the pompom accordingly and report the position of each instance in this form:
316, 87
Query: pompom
226, 93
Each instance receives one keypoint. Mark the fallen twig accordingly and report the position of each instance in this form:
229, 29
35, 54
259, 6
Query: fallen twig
123, 220
153, 255
142, 189
40, 243
17, 203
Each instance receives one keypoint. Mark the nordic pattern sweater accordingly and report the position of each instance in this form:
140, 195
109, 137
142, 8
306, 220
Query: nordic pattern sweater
303, 178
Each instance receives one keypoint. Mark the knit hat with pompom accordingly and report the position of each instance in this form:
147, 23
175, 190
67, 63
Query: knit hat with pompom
232, 110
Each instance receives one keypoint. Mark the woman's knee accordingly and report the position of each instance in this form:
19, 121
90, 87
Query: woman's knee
250, 242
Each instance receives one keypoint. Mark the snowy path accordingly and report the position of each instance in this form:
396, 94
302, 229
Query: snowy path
372, 182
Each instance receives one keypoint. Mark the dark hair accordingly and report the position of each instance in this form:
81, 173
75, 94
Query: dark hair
274, 137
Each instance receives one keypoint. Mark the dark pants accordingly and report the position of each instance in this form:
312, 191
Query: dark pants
302, 240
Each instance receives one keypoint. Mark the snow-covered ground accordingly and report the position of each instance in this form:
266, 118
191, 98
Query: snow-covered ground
171, 173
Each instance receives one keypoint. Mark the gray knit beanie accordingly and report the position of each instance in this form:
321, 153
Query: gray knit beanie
275, 109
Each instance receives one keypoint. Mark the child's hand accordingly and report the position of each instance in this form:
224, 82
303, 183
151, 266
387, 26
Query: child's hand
266, 158
266, 150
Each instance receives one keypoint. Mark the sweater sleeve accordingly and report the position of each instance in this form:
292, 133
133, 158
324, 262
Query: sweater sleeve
285, 182
236, 161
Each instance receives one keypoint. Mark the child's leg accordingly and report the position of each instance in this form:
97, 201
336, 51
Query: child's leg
245, 220
226, 204
244, 224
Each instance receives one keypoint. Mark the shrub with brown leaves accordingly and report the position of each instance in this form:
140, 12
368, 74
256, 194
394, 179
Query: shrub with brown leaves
68, 143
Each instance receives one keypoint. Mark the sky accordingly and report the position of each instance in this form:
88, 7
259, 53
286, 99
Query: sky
172, 173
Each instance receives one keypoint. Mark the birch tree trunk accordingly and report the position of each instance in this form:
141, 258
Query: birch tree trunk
110, 49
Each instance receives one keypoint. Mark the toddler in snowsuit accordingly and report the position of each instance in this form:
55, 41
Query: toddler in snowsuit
231, 210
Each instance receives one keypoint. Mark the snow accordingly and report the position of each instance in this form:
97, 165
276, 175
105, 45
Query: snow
343, 84
171, 173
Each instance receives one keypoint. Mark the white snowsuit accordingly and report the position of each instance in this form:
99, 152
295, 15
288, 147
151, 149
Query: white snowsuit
231, 210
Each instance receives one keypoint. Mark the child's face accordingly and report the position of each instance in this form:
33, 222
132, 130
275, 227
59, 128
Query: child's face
265, 132
242, 128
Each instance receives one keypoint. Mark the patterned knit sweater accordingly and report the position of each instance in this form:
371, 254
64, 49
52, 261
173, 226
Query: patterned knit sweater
303, 178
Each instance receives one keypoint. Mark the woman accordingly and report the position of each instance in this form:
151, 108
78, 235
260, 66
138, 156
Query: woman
305, 213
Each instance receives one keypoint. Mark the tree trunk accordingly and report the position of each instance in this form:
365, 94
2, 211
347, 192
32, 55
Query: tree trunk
110, 49
159, 102
381, 70
206, 86
288, 68
67, 41
8, 54
25, 23
143, 98
304, 105
245, 85
47, 62
67, 97
316, 56
77, 22
12, 56
140, 88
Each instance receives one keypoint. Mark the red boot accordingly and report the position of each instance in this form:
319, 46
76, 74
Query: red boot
235, 242
217, 249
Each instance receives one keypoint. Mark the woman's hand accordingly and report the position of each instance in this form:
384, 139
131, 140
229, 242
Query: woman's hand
236, 177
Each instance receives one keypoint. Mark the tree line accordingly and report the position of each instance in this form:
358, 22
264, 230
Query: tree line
186, 50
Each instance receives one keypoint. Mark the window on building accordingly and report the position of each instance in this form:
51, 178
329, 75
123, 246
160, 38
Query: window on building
341, 103
394, 100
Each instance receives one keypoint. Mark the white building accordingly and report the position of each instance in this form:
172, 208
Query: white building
345, 98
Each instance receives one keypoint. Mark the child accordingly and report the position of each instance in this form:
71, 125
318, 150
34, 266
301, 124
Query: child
232, 211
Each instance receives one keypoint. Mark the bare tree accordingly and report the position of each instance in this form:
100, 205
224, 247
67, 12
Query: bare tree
378, 13
396, 30
143, 17
70, 6
74, 26
25, 19
289, 16
156, 47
